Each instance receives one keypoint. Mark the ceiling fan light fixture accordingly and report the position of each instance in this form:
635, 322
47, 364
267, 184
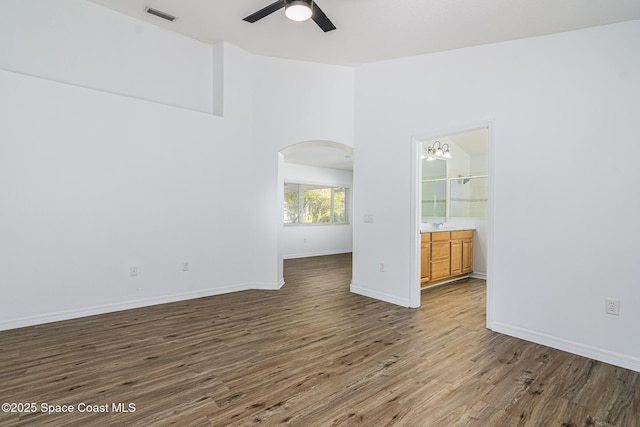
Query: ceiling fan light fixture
298, 10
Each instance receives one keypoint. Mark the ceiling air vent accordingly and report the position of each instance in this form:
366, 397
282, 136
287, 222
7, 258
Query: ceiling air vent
160, 14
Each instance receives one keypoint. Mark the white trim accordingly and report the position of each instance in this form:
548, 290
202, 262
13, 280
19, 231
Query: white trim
470, 275
414, 222
379, 295
444, 282
602, 355
319, 253
314, 224
319, 183
127, 305
266, 286
490, 221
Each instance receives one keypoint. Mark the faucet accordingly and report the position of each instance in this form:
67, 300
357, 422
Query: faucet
438, 224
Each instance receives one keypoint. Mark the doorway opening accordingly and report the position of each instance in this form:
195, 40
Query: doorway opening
315, 180
452, 203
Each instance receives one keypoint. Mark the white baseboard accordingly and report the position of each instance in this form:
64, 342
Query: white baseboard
475, 275
320, 253
127, 305
613, 358
267, 286
379, 295
445, 282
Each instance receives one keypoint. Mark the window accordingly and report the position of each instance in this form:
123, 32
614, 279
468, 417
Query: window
315, 204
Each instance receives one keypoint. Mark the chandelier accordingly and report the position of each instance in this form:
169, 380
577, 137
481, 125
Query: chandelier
438, 151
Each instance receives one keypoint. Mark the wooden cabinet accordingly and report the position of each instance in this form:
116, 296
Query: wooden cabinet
425, 257
440, 255
463, 242
456, 257
467, 255
445, 255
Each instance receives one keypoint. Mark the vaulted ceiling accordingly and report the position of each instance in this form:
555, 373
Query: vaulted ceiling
374, 30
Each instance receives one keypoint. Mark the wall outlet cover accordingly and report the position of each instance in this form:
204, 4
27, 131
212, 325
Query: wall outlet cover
612, 306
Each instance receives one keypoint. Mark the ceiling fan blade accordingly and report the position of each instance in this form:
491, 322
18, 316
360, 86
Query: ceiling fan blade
321, 19
265, 11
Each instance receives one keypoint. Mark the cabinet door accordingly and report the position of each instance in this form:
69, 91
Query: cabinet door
425, 261
440, 251
467, 255
440, 259
440, 269
456, 257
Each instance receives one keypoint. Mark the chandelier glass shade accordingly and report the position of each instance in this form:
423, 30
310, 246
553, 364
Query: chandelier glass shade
438, 151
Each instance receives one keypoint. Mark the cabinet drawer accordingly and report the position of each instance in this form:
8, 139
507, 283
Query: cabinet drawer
464, 234
440, 250
441, 236
425, 237
440, 269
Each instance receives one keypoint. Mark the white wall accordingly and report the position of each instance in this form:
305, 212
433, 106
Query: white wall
296, 101
88, 45
553, 263
479, 164
94, 181
300, 241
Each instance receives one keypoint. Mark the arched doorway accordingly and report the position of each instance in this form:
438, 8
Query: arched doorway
315, 180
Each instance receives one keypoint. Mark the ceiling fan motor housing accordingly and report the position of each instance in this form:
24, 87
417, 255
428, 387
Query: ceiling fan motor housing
308, 8
298, 10
305, 2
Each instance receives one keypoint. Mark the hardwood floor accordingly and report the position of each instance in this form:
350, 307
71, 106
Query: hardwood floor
311, 354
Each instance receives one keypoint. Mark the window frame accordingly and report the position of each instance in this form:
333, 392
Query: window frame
332, 187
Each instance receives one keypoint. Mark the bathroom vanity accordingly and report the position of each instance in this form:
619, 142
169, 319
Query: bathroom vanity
445, 255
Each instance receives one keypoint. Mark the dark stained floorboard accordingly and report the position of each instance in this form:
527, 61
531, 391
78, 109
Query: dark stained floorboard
311, 354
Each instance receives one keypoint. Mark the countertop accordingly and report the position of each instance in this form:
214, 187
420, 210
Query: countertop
429, 228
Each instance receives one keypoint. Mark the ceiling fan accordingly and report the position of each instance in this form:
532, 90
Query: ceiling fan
297, 10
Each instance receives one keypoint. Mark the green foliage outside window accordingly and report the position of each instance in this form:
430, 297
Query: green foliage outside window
314, 204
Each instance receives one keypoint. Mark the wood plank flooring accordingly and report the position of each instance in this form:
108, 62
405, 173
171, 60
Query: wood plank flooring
311, 354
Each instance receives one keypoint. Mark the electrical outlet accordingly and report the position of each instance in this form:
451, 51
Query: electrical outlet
133, 271
612, 306
382, 267
185, 266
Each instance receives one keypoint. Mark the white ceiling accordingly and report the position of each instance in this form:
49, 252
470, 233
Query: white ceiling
373, 30
321, 154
